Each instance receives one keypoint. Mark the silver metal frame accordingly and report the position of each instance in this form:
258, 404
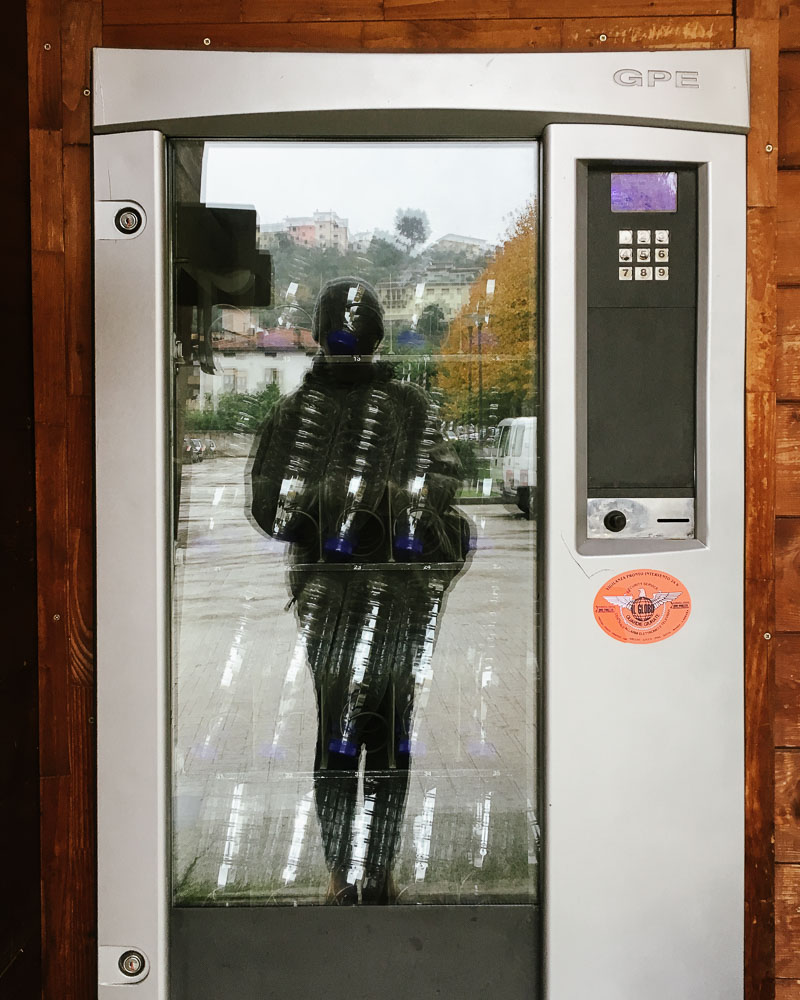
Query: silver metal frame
132, 567
498, 95
661, 723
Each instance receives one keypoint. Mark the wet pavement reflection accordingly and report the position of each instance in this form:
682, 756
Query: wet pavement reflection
246, 725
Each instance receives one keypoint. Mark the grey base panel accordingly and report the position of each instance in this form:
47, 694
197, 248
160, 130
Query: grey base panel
355, 953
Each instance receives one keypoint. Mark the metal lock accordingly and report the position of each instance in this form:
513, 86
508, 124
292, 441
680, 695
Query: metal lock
131, 963
128, 220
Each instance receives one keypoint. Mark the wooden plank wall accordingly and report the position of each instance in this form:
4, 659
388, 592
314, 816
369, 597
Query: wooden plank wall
61, 34
787, 524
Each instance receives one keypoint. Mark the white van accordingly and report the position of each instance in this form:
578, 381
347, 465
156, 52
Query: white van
513, 461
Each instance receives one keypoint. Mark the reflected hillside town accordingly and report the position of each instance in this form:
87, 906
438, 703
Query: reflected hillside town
355, 680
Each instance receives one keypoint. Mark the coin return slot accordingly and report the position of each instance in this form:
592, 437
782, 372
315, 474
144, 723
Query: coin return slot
672, 520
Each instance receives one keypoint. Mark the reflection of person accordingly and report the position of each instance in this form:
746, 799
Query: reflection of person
352, 470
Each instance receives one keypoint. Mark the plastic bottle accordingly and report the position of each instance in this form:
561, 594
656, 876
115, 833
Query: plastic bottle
357, 474
422, 488
360, 662
412, 671
287, 476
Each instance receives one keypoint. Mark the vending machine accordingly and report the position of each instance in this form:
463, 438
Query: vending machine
420, 393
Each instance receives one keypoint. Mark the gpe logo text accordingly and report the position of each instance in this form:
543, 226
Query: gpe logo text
654, 77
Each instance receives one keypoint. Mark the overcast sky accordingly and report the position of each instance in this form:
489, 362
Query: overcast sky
466, 188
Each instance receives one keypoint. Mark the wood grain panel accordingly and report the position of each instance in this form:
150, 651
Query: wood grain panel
788, 263
80, 613
171, 12
51, 516
787, 921
761, 299
760, 486
82, 926
81, 30
787, 361
759, 795
80, 609
59, 935
78, 274
787, 806
462, 36
345, 36
68, 846
757, 9
650, 33
761, 37
787, 453
48, 316
438, 10
787, 574
787, 691
789, 110
323, 10
787, 989
44, 64
790, 25
47, 205
457, 9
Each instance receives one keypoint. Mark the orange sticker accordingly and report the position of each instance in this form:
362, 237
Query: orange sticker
642, 605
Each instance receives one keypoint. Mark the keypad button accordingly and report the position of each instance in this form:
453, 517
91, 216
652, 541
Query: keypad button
662, 254
642, 235
626, 274
625, 255
662, 274
643, 255
644, 274
626, 236
662, 235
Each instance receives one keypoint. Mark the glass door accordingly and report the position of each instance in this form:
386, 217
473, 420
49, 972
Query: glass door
354, 651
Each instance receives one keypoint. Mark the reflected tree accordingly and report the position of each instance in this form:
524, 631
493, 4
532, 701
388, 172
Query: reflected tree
412, 226
491, 342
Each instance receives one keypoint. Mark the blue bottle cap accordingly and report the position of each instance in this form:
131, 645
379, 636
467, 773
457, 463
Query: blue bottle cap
338, 546
343, 746
342, 342
405, 543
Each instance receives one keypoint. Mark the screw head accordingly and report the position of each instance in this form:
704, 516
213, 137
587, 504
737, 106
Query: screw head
56, 618
47, 46
769, 147
206, 41
86, 92
767, 635
604, 37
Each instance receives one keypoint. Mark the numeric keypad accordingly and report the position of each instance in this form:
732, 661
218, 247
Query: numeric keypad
651, 246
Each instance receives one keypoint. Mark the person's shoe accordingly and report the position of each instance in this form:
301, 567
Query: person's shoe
341, 892
379, 891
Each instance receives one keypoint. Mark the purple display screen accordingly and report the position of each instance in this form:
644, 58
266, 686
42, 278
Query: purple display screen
650, 192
